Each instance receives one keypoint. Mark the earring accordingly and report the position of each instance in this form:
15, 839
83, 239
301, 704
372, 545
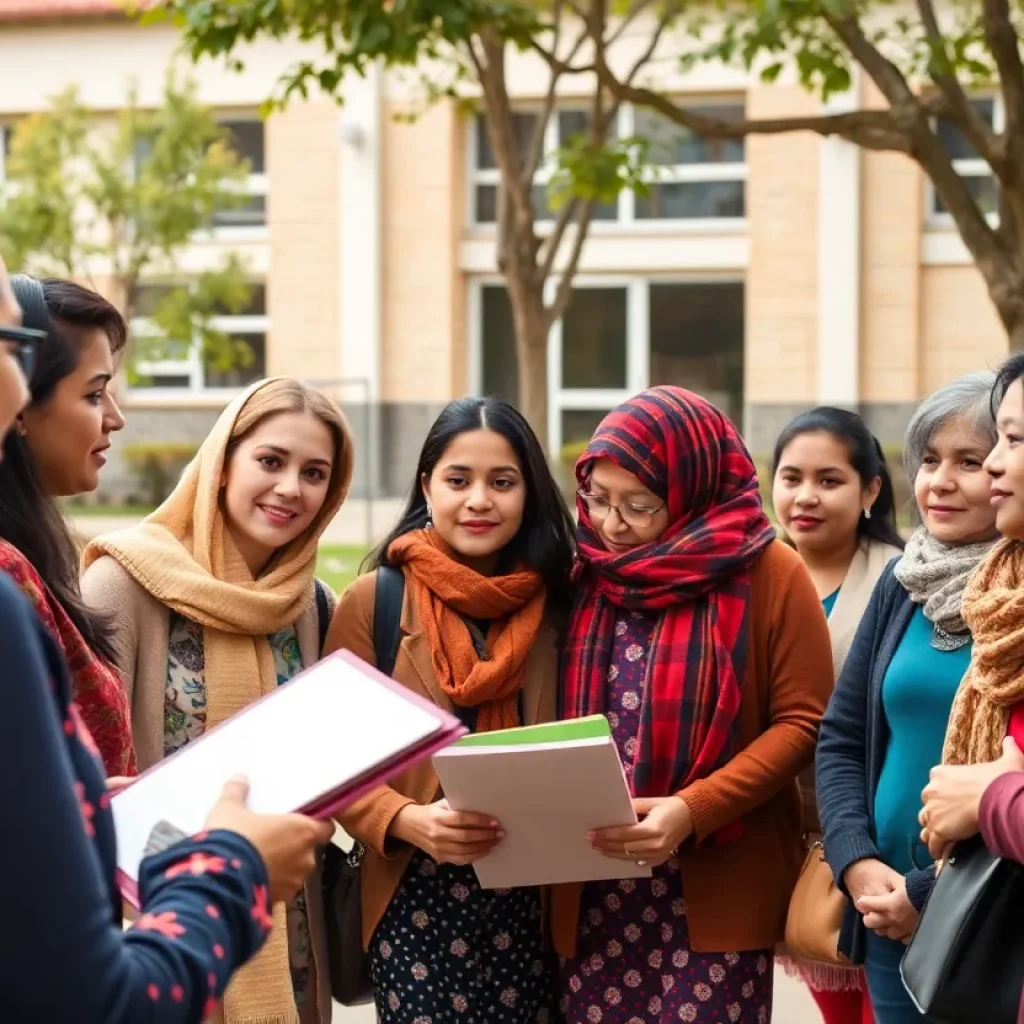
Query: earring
430, 518
867, 512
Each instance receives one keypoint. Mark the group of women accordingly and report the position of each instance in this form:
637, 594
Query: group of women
671, 607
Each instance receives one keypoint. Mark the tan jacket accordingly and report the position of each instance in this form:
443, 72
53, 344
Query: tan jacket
142, 628
368, 818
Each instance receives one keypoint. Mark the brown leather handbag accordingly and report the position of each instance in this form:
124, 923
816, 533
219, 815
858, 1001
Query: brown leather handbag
816, 912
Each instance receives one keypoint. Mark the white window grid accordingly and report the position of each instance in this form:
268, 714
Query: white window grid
971, 167
626, 204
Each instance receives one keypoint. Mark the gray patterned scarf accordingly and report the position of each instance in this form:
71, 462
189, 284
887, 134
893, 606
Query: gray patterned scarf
935, 574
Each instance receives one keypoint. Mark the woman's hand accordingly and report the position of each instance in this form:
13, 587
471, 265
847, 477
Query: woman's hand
665, 822
118, 782
286, 842
450, 837
891, 914
953, 795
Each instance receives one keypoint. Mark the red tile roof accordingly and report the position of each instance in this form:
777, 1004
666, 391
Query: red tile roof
53, 10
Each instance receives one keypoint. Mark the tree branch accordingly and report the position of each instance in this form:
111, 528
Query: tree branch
638, 8
563, 294
1004, 44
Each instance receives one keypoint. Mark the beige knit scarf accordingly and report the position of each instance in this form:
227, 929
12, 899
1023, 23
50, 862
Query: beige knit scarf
993, 608
183, 555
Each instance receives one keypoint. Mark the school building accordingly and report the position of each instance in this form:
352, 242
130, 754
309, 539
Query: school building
768, 274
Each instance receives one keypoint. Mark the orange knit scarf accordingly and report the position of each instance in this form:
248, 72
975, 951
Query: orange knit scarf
446, 593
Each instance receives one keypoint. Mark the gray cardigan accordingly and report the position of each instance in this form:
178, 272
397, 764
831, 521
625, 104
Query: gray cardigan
851, 750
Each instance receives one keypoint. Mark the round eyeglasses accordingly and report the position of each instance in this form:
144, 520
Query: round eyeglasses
632, 515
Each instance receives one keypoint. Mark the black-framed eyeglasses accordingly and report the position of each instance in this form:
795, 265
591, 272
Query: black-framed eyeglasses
632, 515
24, 344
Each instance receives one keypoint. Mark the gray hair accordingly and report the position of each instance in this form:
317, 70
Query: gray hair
968, 398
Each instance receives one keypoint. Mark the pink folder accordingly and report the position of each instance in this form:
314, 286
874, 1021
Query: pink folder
313, 745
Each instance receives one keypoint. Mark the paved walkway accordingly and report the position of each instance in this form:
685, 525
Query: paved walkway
792, 1006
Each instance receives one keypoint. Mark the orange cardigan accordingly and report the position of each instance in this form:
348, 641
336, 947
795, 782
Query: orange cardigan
737, 893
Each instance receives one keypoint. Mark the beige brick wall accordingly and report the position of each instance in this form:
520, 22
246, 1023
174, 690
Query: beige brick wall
782, 211
960, 327
423, 293
303, 287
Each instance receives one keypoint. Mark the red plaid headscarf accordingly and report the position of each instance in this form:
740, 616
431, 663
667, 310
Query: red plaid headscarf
697, 574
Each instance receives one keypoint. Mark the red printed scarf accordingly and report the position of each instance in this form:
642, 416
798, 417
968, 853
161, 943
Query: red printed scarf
697, 574
98, 693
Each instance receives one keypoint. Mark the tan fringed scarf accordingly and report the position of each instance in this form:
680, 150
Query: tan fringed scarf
184, 556
993, 608
445, 592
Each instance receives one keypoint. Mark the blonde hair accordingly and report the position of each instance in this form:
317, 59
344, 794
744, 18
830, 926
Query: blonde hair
285, 395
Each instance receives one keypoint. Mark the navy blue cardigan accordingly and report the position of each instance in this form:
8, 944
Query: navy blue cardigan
63, 954
851, 750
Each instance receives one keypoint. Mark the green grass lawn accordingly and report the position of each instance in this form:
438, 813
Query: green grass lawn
338, 565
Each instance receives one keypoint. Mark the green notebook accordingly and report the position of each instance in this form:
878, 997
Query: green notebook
594, 727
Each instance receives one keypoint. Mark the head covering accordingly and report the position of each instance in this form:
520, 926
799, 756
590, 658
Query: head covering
184, 555
993, 609
447, 594
697, 574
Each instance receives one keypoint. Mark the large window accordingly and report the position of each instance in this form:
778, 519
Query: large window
183, 370
967, 163
690, 178
246, 138
619, 337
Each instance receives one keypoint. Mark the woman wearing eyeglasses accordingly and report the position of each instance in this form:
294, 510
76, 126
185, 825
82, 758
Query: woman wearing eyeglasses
702, 639
55, 450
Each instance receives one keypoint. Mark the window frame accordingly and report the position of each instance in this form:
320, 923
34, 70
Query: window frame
967, 167
626, 219
256, 186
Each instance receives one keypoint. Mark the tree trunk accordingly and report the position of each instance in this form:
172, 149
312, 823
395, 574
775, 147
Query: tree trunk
532, 326
1005, 285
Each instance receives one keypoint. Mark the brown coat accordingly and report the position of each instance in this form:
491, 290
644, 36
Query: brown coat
737, 893
368, 818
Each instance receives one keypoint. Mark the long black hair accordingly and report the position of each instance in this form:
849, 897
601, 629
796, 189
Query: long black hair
30, 519
866, 457
1006, 376
544, 541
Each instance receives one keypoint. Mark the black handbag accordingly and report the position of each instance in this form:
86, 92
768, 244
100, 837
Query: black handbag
347, 963
965, 962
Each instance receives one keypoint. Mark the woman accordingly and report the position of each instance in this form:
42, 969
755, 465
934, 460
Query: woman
834, 498
886, 721
701, 638
56, 450
195, 930
484, 547
216, 604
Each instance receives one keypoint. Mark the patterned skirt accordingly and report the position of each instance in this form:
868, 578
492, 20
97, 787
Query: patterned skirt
448, 951
634, 964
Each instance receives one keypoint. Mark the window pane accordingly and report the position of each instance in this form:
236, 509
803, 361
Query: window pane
500, 375
522, 130
671, 144
163, 380
485, 204
247, 140
149, 296
251, 214
579, 425
691, 199
239, 376
573, 122
984, 190
594, 339
256, 306
697, 333
952, 138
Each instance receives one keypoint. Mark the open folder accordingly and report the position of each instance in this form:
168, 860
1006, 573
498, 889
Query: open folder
312, 745
547, 785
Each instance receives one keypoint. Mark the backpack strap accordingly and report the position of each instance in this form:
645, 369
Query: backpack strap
387, 616
323, 613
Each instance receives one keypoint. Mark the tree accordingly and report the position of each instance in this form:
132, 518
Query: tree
928, 62
121, 199
461, 48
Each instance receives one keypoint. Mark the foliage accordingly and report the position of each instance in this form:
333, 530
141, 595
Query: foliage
157, 467
122, 196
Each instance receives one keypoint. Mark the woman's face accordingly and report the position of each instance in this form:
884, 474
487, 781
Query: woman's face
952, 488
818, 496
275, 482
646, 514
477, 497
69, 434
1005, 464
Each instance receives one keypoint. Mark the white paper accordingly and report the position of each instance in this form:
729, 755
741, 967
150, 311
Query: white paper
327, 727
546, 798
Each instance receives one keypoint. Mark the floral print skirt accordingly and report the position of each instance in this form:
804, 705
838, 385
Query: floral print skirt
448, 951
634, 964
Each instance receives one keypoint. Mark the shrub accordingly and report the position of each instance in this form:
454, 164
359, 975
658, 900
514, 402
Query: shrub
158, 466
